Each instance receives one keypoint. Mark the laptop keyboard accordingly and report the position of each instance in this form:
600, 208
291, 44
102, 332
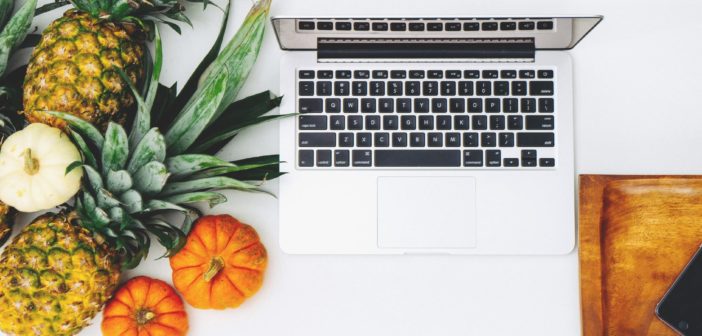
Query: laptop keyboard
468, 118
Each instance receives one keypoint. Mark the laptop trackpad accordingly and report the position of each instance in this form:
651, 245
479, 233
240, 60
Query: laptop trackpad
426, 212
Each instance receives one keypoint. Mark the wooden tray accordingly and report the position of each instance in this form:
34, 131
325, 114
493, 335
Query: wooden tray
636, 234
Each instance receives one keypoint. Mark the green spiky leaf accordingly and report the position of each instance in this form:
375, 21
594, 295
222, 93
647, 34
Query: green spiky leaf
115, 150
152, 147
183, 165
150, 178
212, 198
132, 200
15, 31
118, 181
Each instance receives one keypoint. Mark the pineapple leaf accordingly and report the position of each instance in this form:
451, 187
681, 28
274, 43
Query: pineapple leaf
115, 150
93, 177
165, 96
82, 126
255, 171
155, 205
186, 164
15, 31
51, 6
236, 116
191, 85
118, 181
74, 165
197, 114
152, 147
216, 142
105, 199
142, 121
6, 7
212, 198
132, 200
210, 183
168, 235
150, 178
87, 155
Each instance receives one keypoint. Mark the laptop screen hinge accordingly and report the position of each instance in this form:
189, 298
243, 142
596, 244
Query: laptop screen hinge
425, 50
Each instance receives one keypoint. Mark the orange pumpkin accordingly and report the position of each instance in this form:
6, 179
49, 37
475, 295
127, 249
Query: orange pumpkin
145, 307
221, 264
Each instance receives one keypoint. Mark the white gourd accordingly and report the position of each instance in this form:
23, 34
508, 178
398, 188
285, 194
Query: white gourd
33, 165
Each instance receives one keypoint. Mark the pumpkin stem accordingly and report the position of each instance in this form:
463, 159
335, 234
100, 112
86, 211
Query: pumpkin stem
31, 165
144, 316
216, 265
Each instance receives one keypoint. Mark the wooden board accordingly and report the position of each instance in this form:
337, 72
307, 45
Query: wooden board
636, 234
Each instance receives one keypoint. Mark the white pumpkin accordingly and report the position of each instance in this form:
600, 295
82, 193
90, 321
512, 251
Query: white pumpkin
33, 165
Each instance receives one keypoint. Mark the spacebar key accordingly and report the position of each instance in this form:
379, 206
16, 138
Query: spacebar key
417, 158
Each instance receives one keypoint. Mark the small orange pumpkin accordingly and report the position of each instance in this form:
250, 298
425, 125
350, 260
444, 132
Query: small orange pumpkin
221, 264
145, 306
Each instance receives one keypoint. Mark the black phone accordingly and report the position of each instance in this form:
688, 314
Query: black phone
681, 306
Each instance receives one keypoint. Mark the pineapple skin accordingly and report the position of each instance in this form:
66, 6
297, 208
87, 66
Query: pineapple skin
54, 277
73, 69
7, 217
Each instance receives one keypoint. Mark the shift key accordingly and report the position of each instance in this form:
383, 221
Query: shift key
317, 139
535, 139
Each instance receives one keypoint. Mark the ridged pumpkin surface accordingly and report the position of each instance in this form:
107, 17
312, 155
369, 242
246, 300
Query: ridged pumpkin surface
221, 265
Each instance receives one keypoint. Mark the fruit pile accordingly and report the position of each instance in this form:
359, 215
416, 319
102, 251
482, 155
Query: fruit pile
118, 159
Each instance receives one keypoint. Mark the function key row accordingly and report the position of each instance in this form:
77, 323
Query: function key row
415, 158
419, 74
416, 26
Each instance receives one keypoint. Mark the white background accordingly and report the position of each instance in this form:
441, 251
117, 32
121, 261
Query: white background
637, 106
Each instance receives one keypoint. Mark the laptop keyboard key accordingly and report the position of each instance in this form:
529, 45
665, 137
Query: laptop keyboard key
312, 123
497, 122
394, 88
310, 105
539, 123
324, 158
362, 158
470, 139
346, 139
399, 139
547, 162
457, 105
435, 139
453, 139
364, 139
382, 139
409, 122
413, 88
421, 105
541, 88
535, 139
350, 105
317, 139
511, 162
488, 139
373, 123
390, 122
506, 139
515, 123
324, 88
355, 123
493, 158
398, 74
305, 74
546, 105
480, 122
475, 105
426, 123
332, 105
438, 105
343, 74
461, 123
337, 123
341, 158
368, 105
417, 140
360, 88
386, 105
404, 105
417, 158
305, 158
473, 158
341, 88
305, 88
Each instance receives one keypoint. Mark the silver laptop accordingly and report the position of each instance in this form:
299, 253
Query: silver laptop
428, 135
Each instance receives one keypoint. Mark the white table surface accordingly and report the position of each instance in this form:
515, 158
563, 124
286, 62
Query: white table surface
637, 105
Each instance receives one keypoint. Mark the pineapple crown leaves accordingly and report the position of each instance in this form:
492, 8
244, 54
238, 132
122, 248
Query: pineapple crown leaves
132, 10
133, 178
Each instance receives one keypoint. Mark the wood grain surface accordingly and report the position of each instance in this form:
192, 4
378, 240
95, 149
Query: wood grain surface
636, 234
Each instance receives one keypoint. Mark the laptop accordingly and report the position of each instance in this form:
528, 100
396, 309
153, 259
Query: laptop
428, 135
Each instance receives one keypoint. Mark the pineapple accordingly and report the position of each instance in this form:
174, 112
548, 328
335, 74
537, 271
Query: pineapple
61, 269
55, 276
76, 66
